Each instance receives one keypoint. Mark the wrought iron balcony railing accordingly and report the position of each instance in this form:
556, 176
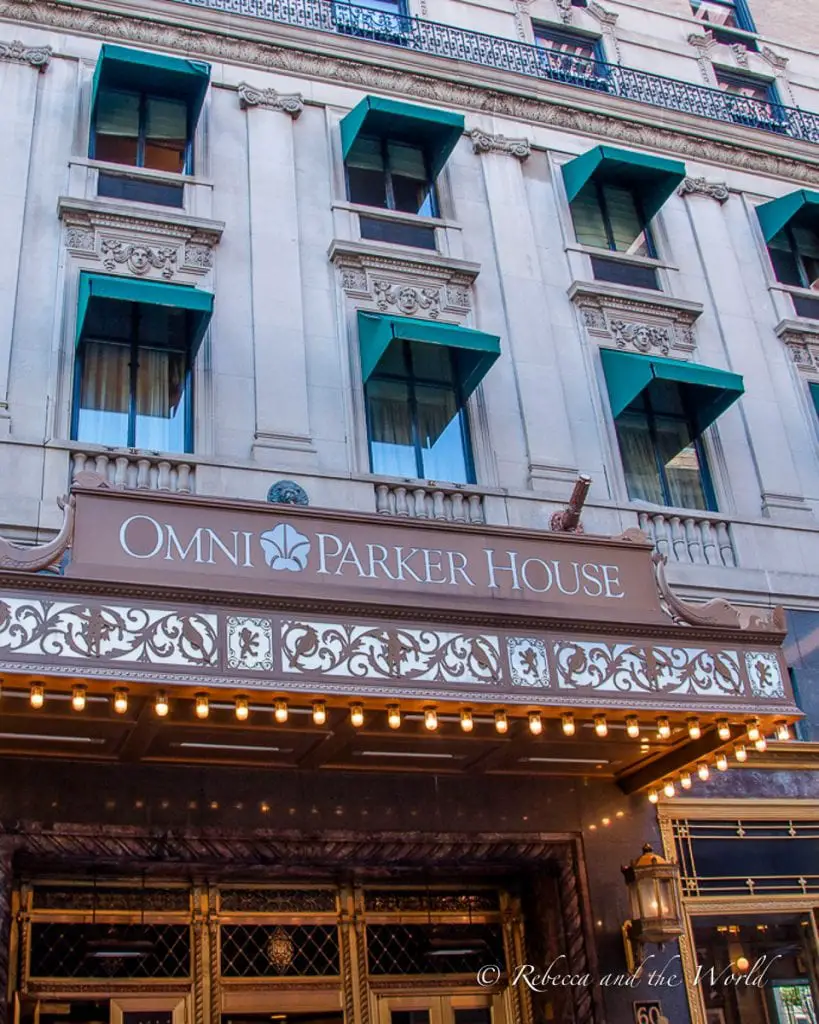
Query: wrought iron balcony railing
439, 40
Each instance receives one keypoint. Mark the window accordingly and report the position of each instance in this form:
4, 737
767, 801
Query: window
574, 59
724, 14
663, 459
384, 20
752, 101
133, 377
390, 174
416, 419
794, 253
139, 130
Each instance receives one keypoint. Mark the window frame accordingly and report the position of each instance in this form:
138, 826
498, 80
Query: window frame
397, 34
798, 259
741, 10
134, 346
706, 478
777, 118
411, 381
144, 96
599, 79
602, 204
384, 141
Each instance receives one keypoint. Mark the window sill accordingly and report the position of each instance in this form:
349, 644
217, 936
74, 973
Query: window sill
397, 215
609, 254
145, 173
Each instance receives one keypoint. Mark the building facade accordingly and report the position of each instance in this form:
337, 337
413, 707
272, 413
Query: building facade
409, 446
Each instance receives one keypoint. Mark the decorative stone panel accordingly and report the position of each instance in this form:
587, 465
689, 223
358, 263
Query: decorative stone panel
36, 57
418, 286
288, 103
483, 142
167, 246
651, 326
703, 187
802, 341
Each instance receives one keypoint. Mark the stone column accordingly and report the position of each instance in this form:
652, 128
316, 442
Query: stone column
282, 435
6, 885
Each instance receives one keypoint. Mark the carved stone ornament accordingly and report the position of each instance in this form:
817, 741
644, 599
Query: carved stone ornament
18, 53
565, 11
607, 18
647, 326
166, 246
802, 341
776, 60
483, 142
708, 142
740, 52
704, 45
412, 286
702, 187
288, 103
287, 492
41, 556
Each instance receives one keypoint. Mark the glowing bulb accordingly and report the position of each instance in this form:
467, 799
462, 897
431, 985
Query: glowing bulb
668, 789
740, 753
201, 705
752, 725
703, 771
37, 695
600, 727
653, 796
501, 721
782, 731
120, 700
280, 711
319, 712
467, 722
664, 728
761, 743
742, 963
685, 780
535, 723
722, 762
567, 722
694, 730
242, 709
357, 715
78, 698
632, 727
393, 716
723, 729
161, 705
431, 719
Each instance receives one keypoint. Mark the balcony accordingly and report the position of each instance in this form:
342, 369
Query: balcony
448, 41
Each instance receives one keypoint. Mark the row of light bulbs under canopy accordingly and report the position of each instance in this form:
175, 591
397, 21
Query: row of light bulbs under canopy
281, 709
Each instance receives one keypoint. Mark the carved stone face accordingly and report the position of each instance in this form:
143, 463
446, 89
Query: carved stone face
407, 300
140, 259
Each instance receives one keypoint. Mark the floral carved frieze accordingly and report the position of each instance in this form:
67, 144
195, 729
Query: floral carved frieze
483, 142
164, 246
802, 341
411, 286
703, 187
647, 326
269, 99
36, 57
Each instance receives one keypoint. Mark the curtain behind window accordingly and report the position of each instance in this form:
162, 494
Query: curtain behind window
105, 389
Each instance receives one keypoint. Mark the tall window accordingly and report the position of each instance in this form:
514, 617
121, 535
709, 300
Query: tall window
390, 174
416, 418
133, 378
724, 14
752, 101
385, 20
139, 130
571, 58
663, 459
794, 253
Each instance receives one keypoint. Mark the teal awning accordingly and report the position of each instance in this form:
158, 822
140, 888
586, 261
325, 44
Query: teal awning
708, 392
814, 394
173, 77
654, 176
802, 207
435, 131
475, 351
198, 303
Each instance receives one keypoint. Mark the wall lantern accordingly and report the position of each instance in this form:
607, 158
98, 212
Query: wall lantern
654, 892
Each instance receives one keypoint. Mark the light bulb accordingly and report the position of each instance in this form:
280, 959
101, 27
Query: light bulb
600, 726
632, 727
37, 695
722, 762
78, 698
161, 705
694, 730
280, 711
431, 719
567, 723
742, 964
120, 701
242, 709
685, 780
393, 716
535, 723
740, 753
782, 731
653, 796
201, 705
501, 721
467, 721
752, 725
761, 743
664, 728
723, 729
668, 789
357, 715
703, 771
319, 712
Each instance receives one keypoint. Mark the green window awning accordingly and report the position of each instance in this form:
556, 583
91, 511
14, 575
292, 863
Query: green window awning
171, 77
708, 391
653, 176
435, 131
814, 394
801, 207
475, 351
96, 287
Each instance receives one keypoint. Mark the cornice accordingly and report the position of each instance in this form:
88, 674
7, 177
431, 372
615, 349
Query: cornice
105, 214
359, 63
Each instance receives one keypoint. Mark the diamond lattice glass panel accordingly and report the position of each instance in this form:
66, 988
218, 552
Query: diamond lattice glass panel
432, 949
270, 951
61, 950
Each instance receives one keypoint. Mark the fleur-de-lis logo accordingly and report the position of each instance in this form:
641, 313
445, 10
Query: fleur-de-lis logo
285, 548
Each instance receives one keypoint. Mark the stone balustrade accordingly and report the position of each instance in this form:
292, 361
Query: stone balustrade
140, 471
698, 539
429, 500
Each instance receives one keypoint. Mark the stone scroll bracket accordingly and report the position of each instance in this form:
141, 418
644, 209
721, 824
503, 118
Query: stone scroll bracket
717, 190
269, 99
484, 142
41, 556
37, 57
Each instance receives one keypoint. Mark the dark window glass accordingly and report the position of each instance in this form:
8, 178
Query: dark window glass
393, 175
634, 274
416, 417
806, 307
384, 20
138, 190
474, 1015
794, 253
377, 229
611, 217
663, 459
752, 101
141, 131
133, 378
572, 58
409, 1017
